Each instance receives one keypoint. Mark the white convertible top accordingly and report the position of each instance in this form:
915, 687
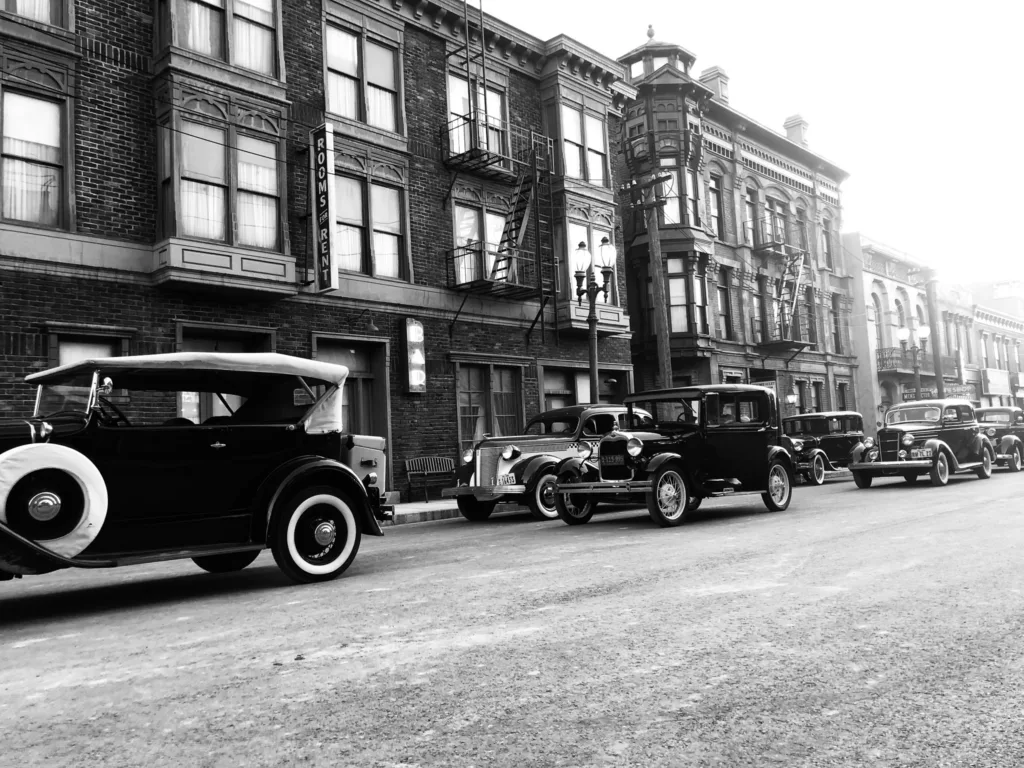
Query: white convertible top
240, 362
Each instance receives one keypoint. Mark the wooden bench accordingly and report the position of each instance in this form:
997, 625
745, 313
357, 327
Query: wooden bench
424, 471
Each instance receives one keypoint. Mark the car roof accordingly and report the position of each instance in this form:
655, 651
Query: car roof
988, 408
694, 389
236, 362
824, 414
576, 410
934, 403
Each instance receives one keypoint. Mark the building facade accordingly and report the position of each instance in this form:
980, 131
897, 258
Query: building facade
158, 170
972, 341
757, 287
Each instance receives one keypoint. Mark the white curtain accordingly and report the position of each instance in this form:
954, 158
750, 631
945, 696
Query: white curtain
343, 95
348, 248
202, 210
387, 225
253, 46
382, 90
31, 190
343, 73
203, 27
467, 232
257, 192
381, 106
40, 10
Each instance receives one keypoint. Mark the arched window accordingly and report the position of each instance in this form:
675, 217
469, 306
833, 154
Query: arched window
921, 323
879, 337
901, 318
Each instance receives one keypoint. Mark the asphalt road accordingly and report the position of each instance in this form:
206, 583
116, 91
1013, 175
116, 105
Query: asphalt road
859, 628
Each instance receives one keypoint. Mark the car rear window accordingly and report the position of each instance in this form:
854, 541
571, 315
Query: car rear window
995, 418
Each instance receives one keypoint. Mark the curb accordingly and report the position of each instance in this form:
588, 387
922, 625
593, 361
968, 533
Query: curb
443, 513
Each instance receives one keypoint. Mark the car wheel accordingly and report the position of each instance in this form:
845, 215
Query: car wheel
984, 472
542, 500
474, 509
862, 479
817, 474
1016, 461
232, 561
780, 489
939, 473
668, 501
316, 535
910, 477
574, 508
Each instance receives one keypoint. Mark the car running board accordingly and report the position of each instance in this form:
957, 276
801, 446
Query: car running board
730, 492
126, 558
968, 465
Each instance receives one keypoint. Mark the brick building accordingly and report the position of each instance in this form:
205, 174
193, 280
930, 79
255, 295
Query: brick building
156, 173
758, 290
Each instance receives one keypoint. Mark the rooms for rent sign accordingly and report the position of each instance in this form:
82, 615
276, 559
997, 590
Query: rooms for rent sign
322, 174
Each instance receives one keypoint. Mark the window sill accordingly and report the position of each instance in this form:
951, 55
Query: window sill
221, 72
29, 31
353, 129
219, 266
35, 226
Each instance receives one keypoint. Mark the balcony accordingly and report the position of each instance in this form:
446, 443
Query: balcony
899, 360
777, 236
785, 334
483, 269
482, 145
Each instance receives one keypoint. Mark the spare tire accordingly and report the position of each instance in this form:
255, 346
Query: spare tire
53, 495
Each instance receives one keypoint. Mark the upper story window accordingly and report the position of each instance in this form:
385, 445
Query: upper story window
46, 11
826, 243
370, 228
479, 231
749, 214
362, 79
219, 182
687, 296
591, 235
715, 206
584, 146
777, 219
476, 117
32, 159
242, 32
724, 305
681, 204
837, 325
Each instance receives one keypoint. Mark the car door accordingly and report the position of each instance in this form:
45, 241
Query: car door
737, 433
956, 433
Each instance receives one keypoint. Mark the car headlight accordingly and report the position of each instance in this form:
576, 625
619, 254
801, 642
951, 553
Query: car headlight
908, 439
869, 442
634, 446
509, 452
584, 450
798, 445
467, 456
991, 432
872, 454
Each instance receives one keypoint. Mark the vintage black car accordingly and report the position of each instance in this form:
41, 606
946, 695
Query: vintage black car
519, 469
208, 456
701, 441
1004, 426
927, 437
823, 441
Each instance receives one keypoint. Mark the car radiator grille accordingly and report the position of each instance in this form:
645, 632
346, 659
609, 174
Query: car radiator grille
889, 443
609, 453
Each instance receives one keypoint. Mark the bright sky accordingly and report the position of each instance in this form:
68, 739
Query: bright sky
904, 96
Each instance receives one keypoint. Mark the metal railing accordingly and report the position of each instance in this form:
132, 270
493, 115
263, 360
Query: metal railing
482, 268
899, 359
476, 142
776, 233
800, 328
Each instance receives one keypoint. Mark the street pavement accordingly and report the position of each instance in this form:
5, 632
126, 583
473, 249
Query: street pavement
877, 627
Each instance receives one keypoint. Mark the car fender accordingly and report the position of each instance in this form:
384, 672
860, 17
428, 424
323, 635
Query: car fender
531, 471
941, 445
1008, 442
464, 473
587, 469
857, 452
819, 452
778, 452
656, 462
316, 469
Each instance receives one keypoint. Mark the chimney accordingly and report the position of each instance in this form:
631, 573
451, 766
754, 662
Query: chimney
716, 79
796, 130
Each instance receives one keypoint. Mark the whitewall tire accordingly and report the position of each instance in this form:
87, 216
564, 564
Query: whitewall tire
53, 495
316, 535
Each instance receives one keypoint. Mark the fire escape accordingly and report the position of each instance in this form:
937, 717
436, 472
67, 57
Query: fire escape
784, 326
521, 264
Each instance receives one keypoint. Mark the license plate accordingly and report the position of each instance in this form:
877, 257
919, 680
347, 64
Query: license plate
613, 459
506, 479
921, 453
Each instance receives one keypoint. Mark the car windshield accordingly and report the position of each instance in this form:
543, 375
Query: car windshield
549, 425
71, 395
667, 413
995, 418
807, 427
913, 413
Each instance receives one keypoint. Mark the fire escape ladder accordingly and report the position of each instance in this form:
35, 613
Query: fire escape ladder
541, 156
515, 229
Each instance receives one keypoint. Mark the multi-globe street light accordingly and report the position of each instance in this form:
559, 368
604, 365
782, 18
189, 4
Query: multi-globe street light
587, 265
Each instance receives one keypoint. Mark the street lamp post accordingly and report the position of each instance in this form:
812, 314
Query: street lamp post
586, 267
903, 334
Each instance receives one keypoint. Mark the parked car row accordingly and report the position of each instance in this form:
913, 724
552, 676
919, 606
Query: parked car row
217, 456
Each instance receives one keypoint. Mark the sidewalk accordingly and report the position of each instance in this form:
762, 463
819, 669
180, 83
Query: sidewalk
443, 509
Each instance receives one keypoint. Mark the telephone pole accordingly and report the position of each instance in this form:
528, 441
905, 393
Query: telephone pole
930, 282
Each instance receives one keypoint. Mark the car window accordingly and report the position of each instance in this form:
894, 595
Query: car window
792, 427
913, 413
727, 409
636, 419
851, 424
951, 414
994, 417
542, 425
966, 413
599, 424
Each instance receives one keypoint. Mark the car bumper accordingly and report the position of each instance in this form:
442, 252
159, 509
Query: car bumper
483, 490
890, 466
606, 486
1004, 457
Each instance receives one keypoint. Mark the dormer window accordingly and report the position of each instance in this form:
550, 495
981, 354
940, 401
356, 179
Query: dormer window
658, 62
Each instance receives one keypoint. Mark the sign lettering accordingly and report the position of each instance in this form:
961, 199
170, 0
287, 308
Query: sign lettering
415, 356
325, 267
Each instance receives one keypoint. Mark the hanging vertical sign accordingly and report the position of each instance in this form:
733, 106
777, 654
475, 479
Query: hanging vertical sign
322, 174
415, 356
